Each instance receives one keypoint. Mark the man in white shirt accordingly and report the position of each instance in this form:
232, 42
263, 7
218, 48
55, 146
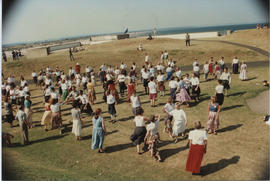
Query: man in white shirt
173, 84
34, 76
145, 76
122, 86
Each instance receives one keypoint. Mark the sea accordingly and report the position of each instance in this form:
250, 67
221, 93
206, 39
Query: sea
159, 31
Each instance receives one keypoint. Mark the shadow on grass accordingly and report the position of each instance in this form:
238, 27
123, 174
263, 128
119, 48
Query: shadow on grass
214, 167
229, 128
164, 154
252, 78
145, 102
39, 141
238, 94
119, 147
36, 103
231, 107
86, 137
126, 118
193, 103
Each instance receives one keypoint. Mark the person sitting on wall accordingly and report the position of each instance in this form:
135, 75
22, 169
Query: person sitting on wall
149, 37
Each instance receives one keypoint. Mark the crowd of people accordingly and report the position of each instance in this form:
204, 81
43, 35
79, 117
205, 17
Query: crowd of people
77, 87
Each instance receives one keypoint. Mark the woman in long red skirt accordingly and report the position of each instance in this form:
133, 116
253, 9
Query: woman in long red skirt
131, 88
211, 64
197, 143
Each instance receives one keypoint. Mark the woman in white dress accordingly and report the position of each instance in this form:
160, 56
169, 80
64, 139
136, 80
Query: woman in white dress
243, 71
77, 122
180, 121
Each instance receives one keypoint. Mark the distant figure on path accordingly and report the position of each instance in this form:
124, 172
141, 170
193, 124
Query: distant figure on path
243, 71
71, 55
99, 130
197, 144
187, 39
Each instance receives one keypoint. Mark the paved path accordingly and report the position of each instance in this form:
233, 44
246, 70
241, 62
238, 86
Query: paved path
260, 103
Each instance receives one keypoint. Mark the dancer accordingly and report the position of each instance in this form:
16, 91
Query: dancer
47, 115
77, 121
195, 87
135, 102
182, 95
206, 70
226, 80
180, 122
22, 119
169, 107
220, 93
152, 91
213, 116
111, 106
161, 85
235, 65
197, 144
243, 71
140, 131
173, 87
152, 137
99, 131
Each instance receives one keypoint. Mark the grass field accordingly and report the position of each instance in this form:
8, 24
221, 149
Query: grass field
240, 151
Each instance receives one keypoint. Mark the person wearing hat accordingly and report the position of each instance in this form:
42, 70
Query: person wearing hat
22, 119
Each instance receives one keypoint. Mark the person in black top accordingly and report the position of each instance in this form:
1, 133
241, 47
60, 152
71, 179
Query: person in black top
4, 56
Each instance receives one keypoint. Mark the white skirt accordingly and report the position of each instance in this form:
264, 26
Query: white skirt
243, 75
178, 127
77, 127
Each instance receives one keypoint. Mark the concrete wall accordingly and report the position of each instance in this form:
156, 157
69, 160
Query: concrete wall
63, 46
104, 38
35, 52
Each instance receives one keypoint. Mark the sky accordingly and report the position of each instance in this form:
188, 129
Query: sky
33, 20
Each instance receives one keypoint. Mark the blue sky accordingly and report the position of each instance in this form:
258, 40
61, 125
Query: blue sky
31, 20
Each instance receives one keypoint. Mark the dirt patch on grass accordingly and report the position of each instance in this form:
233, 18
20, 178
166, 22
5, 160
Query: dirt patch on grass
260, 103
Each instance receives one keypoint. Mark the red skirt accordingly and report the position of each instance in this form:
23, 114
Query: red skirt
195, 157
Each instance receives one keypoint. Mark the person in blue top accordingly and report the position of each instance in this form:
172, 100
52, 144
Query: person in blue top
99, 130
28, 110
213, 116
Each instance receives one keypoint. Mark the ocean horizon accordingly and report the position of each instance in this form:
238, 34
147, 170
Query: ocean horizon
159, 31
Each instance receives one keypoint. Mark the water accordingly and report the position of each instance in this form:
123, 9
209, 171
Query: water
180, 30
162, 31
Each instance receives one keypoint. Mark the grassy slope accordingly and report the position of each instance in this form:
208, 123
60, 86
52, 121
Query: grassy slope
54, 157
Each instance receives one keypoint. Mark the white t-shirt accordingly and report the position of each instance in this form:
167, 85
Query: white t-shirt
169, 107
64, 86
146, 58
55, 95
219, 89
153, 128
196, 69
12, 93
160, 67
121, 78
135, 101
117, 71
160, 78
48, 81
194, 81
145, 75
34, 74
235, 61
178, 73
198, 136
152, 87
47, 92
23, 82
221, 62
84, 79
225, 76
110, 99
206, 68
178, 115
173, 84
123, 66
169, 69
55, 108
139, 121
